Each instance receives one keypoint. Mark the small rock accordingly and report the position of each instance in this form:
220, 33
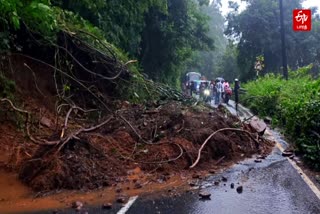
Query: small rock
193, 183
287, 153
77, 204
212, 171
45, 122
258, 160
107, 206
78, 209
291, 157
121, 199
239, 189
196, 176
138, 185
118, 189
204, 195
261, 157
267, 120
216, 183
232, 185
224, 179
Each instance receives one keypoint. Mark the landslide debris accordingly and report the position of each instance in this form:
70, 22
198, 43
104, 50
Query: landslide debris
160, 138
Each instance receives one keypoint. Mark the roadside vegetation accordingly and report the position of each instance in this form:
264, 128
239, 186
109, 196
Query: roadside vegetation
293, 105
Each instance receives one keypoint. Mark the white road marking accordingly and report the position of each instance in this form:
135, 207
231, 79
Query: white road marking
126, 207
305, 177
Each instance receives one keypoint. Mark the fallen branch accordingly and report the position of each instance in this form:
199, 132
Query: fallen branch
66, 122
74, 134
214, 133
68, 115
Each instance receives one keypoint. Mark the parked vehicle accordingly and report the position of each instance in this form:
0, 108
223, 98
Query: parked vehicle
190, 81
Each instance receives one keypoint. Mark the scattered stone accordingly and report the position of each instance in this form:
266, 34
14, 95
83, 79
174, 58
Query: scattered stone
291, 157
287, 153
261, 157
107, 206
77, 204
78, 209
212, 171
239, 189
45, 122
224, 184
224, 179
137, 185
196, 176
216, 183
193, 183
204, 194
258, 160
118, 189
267, 120
232, 185
121, 199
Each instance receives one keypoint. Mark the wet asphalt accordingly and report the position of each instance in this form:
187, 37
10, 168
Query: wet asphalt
272, 186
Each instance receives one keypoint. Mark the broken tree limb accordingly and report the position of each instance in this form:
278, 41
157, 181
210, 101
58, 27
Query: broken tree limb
214, 133
79, 131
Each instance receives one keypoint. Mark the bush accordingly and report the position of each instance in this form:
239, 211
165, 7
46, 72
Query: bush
293, 105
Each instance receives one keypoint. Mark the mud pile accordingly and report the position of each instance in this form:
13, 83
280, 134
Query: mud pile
158, 138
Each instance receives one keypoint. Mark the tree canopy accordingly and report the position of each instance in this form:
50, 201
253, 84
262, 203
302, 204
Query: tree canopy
162, 35
257, 30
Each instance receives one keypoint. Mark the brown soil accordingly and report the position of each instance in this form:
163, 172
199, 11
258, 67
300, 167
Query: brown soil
160, 143
106, 156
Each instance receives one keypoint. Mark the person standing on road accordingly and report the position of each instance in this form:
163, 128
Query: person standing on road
218, 92
236, 92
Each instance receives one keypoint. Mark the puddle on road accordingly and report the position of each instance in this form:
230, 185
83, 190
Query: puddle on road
17, 198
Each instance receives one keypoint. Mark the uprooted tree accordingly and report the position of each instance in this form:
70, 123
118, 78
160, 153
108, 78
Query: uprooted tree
90, 134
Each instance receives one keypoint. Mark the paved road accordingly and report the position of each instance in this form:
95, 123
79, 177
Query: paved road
272, 186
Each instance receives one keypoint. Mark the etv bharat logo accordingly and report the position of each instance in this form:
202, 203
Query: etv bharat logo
302, 20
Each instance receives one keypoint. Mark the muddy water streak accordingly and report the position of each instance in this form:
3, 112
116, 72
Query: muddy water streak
17, 198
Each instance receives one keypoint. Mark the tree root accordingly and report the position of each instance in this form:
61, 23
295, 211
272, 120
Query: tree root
220, 130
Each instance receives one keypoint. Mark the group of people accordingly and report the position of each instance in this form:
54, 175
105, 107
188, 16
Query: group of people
218, 90
221, 91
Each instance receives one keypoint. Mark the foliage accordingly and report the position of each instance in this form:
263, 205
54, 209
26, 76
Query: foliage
169, 40
293, 104
209, 62
7, 87
257, 31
